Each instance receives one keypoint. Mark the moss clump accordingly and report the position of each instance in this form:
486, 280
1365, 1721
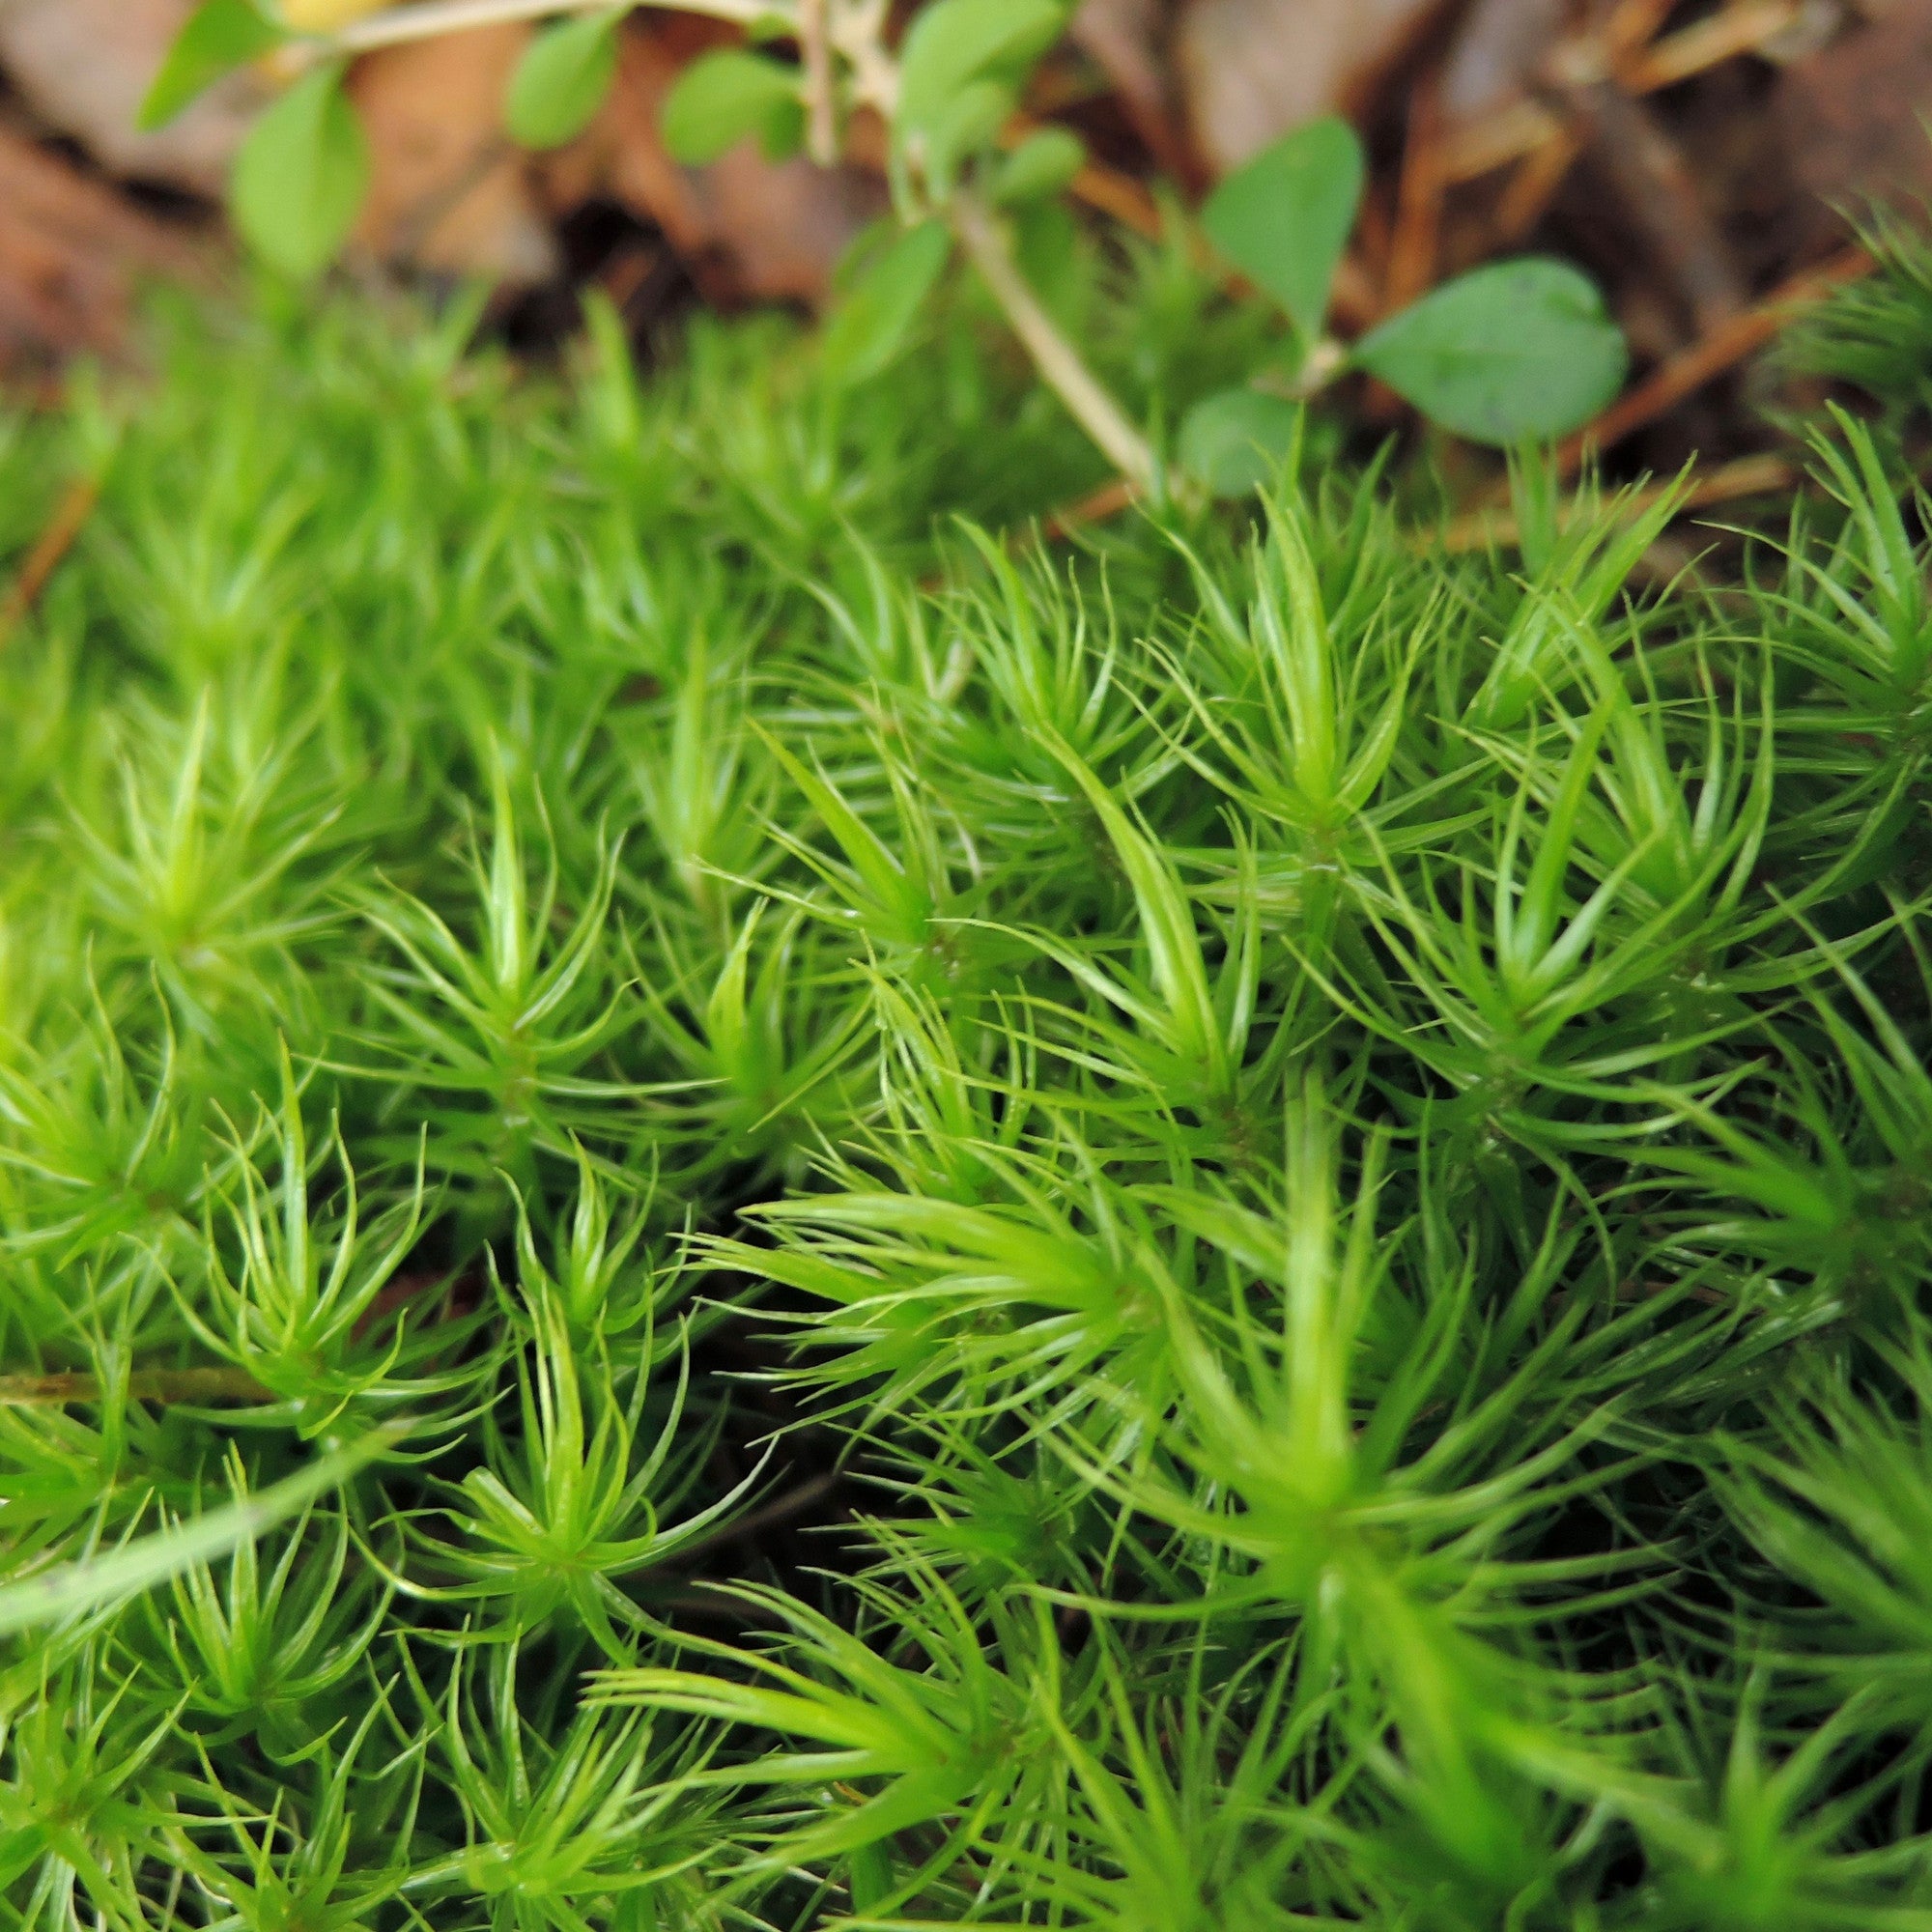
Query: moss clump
1231, 1233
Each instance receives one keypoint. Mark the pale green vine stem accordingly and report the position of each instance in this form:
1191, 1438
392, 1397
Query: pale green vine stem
1058, 361
821, 109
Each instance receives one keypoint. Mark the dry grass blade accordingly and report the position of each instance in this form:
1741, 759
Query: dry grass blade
1728, 483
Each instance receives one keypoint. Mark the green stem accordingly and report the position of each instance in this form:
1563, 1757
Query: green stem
1088, 400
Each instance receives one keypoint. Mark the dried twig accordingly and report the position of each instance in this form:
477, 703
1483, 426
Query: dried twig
1749, 476
1523, 125
1418, 218
1095, 507
1722, 349
1498, 139
1708, 42
1629, 26
1657, 192
70, 514
1534, 185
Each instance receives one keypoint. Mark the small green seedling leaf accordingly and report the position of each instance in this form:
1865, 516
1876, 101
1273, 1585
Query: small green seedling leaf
1519, 349
220, 36
1041, 166
958, 41
1284, 218
563, 78
967, 124
871, 322
1236, 440
299, 175
723, 97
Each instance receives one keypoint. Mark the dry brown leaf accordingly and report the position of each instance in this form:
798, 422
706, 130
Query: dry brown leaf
1497, 50
1251, 70
448, 190
71, 253
748, 229
1850, 118
83, 66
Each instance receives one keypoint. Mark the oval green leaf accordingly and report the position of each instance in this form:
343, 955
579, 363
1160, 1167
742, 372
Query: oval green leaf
1042, 164
723, 97
1236, 440
957, 41
220, 36
1520, 350
563, 78
963, 128
871, 323
1282, 218
298, 177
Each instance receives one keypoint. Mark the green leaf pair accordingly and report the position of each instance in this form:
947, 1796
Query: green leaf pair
1518, 349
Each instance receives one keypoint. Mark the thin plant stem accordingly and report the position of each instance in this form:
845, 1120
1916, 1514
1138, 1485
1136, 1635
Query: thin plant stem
821, 126
1058, 361
396, 26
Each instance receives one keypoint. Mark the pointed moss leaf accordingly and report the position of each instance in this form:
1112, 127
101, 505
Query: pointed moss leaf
871, 323
1519, 349
1236, 440
220, 35
871, 1875
562, 80
723, 97
299, 175
957, 41
1042, 164
1282, 218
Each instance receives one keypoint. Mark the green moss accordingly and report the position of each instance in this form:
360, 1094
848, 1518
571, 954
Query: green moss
1227, 1230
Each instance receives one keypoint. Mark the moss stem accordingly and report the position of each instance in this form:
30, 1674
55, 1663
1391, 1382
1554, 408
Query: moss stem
53, 1391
